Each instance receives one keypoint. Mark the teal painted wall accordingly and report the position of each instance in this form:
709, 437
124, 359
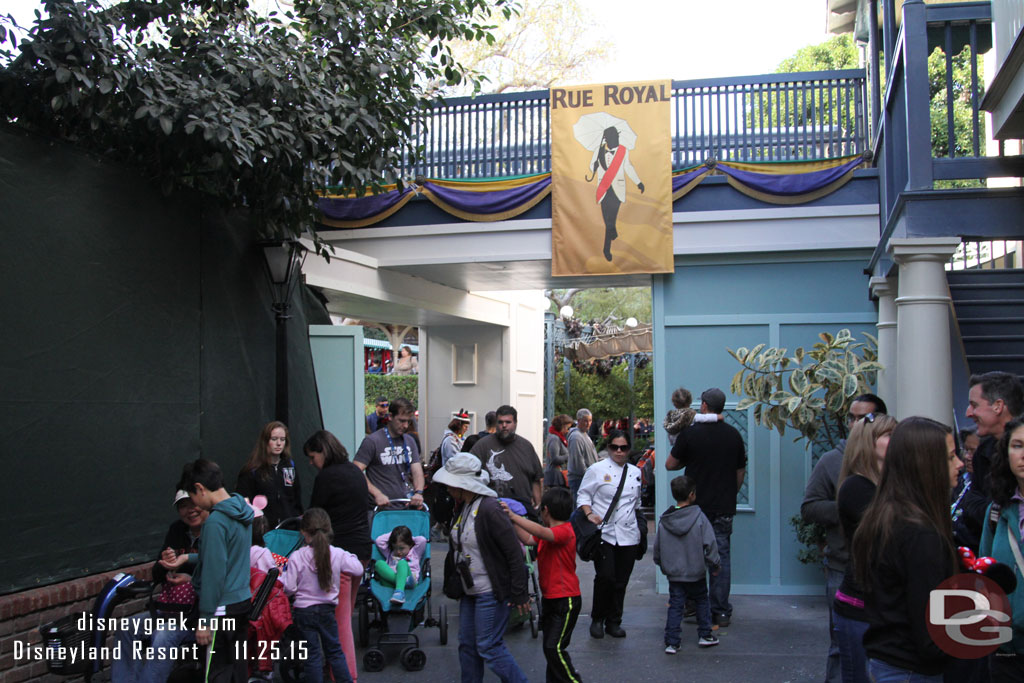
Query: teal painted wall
711, 304
338, 363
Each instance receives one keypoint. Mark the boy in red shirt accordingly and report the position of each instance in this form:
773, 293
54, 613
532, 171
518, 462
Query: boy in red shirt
556, 556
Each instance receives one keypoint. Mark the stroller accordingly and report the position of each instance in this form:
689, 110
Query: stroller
64, 634
530, 558
376, 607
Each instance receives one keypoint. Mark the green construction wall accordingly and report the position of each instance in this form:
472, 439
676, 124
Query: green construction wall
137, 335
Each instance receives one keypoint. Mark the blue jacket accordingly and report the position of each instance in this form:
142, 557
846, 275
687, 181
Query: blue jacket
997, 545
222, 575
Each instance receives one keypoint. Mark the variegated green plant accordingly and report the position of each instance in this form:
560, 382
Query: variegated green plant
809, 391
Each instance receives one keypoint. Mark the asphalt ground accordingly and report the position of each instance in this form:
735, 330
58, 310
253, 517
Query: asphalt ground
771, 638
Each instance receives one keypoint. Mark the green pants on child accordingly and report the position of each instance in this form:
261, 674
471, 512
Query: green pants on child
398, 578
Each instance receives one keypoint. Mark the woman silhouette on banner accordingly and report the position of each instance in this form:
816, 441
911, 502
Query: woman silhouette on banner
611, 164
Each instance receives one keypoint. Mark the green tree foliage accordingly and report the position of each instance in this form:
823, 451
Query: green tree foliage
392, 386
771, 109
810, 391
259, 111
962, 107
606, 396
609, 304
838, 52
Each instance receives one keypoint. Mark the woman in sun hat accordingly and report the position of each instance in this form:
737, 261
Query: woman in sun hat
494, 580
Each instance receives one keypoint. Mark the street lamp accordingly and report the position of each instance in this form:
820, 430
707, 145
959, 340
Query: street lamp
566, 312
283, 259
631, 322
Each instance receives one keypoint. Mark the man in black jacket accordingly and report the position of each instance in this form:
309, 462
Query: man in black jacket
715, 457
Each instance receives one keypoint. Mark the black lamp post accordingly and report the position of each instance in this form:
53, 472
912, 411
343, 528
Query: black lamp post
284, 263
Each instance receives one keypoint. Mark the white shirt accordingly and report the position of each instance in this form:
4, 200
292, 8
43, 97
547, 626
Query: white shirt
597, 490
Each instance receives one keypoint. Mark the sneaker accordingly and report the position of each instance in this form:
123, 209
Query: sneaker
398, 598
671, 649
597, 629
707, 641
721, 619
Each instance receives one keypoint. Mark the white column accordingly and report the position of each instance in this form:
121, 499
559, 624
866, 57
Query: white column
923, 370
884, 288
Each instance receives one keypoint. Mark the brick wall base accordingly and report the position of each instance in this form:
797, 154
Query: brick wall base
21, 615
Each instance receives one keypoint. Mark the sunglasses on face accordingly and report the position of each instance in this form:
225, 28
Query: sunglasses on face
617, 447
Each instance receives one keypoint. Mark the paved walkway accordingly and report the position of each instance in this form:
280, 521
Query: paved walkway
770, 639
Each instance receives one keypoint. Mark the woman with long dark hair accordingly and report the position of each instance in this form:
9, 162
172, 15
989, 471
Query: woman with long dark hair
1006, 483
270, 471
340, 489
858, 480
903, 549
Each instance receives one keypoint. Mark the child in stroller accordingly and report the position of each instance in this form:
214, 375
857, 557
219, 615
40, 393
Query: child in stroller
400, 567
381, 600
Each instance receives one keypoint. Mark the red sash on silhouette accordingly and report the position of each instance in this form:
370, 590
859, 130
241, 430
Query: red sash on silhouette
609, 175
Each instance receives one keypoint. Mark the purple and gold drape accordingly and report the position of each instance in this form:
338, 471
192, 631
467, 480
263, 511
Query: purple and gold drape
505, 198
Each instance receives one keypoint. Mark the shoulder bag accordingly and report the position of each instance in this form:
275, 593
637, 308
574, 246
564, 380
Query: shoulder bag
588, 534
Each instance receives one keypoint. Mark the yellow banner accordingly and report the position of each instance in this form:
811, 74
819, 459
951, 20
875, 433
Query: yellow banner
611, 179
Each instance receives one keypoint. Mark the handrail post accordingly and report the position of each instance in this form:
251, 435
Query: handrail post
915, 84
876, 85
889, 31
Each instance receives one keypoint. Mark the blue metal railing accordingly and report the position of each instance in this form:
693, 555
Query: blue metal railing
776, 117
929, 154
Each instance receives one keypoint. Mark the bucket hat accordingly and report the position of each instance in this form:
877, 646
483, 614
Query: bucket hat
463, 471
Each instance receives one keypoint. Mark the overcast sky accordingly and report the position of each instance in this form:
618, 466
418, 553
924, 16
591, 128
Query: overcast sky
680, 39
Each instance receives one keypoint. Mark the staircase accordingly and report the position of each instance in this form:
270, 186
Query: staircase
989, 307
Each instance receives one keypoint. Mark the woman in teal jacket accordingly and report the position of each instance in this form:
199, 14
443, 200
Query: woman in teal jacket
1007, 486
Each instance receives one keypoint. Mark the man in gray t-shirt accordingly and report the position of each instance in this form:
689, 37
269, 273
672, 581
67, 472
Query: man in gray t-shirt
510, 460
391, 461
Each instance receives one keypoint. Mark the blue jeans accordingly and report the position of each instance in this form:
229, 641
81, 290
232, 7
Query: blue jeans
882, 672
719, 588
482, 621
320, 629
574, 488
126, 669
852, 657
678, 593
833, 666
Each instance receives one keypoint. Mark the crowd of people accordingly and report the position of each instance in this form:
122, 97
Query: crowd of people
906, 506
901, 504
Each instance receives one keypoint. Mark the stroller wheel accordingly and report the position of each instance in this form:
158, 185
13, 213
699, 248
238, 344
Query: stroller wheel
413, 659
373, 660
533, 622
289, 671
364, 624
442, 619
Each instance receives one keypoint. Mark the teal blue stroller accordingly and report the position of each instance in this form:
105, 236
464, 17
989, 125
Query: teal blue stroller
376, 607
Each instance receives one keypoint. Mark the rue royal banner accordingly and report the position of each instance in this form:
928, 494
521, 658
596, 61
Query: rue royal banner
611, 179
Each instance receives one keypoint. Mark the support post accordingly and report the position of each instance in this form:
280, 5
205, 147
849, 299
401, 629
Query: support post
922, 334
885, 290
549, 367
281, 403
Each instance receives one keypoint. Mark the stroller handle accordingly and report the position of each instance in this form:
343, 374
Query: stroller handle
400, 501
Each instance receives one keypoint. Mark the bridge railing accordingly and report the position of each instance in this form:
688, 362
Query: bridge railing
776, 117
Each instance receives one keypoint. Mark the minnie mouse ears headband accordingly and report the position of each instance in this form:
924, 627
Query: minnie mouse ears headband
257, 504
462, 415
